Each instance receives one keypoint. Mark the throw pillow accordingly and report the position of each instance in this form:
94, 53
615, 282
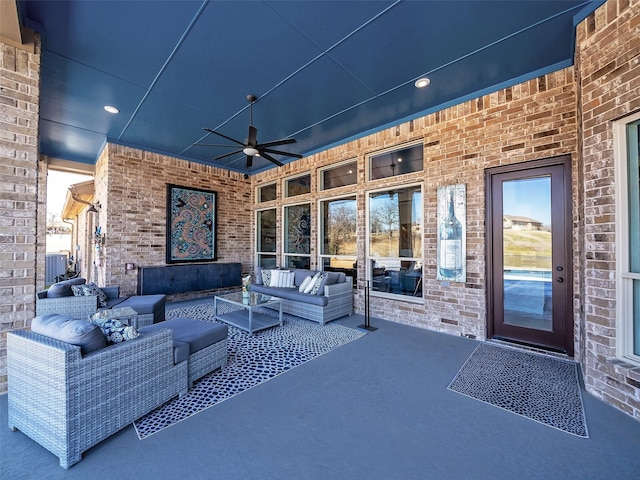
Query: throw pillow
312, 283
266, 277
316, 285
93, 289
305, 283
287, 279
77, 290
275, 278
114, 330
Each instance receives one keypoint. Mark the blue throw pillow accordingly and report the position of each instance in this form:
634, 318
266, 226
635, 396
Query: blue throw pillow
93, 289
114, 330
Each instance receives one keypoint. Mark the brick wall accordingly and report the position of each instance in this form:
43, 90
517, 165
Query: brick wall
131, 188
22, 188
609, 66
532, 120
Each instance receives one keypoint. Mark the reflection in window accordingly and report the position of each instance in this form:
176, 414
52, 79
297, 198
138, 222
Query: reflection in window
297, 236
338, 220
395, 163
267, 193
266, 237
298, 185
338, 176
395, 241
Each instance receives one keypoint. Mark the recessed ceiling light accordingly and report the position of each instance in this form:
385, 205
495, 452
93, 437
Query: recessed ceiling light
111, 109
422, 82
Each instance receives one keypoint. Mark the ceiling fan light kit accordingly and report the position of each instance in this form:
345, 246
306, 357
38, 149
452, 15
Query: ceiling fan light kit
251, 148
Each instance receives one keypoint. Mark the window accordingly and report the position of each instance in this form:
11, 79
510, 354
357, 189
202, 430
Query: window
338, 176
266, 238
396, 162
267, 193
297, 185
297, 236
338, 220
395, 241
627, 150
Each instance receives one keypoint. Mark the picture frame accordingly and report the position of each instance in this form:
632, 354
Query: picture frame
191, 224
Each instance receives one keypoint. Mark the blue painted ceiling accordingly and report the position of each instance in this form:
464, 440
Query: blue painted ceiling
324, 72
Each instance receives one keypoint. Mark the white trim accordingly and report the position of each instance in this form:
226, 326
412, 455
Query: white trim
255, 245
624, 278
334, 166
257, 192
395, 148
283, 228
320, 224
285, 185
368, 258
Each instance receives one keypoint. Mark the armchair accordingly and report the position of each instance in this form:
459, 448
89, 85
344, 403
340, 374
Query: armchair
60, 299
68, 402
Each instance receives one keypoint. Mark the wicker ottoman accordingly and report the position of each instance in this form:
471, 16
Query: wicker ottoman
202, 344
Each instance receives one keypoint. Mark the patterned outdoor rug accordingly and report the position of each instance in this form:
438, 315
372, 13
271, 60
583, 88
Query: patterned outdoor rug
252, 359
542, 388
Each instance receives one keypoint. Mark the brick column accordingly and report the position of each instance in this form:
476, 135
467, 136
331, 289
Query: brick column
22, 193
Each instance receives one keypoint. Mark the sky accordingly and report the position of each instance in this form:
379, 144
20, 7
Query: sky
57, 186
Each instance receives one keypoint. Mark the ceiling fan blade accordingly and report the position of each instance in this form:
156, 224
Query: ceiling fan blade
288, 141
253, 134
270, 158
223, 136
228, 154
279, 152
249, 161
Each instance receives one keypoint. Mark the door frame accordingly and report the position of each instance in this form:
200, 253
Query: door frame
565, 162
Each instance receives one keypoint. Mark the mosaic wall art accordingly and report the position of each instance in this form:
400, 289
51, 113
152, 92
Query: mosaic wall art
191, 225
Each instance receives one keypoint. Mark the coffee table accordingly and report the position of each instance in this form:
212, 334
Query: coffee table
240, 311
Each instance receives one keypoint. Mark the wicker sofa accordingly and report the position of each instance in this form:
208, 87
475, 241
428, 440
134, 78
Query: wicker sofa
68, 401
334, 298
150, 308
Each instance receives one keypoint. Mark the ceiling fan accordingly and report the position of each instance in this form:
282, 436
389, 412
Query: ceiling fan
251, 148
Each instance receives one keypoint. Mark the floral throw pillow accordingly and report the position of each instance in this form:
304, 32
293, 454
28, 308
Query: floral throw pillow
93, 289
114, 330
77, 290
316, 286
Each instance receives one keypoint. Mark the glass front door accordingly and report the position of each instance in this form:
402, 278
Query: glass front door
529, 271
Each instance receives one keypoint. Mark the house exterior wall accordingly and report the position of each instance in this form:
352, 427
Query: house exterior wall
131, 187
608, 60
22, 193
565, 112
533, 120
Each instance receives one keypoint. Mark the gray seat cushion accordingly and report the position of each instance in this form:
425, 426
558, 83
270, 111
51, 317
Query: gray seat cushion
86, 335
291, 294
196, 333
144, 304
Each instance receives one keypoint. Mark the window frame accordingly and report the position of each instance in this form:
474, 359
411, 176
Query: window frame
321, 226
259, 189
335, 166
386, 151
258, 253
624, 276
285, 226
369, 258
285, 185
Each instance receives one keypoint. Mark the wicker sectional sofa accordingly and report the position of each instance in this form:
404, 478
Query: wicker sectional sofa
59, 299
334, 298
68, 401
